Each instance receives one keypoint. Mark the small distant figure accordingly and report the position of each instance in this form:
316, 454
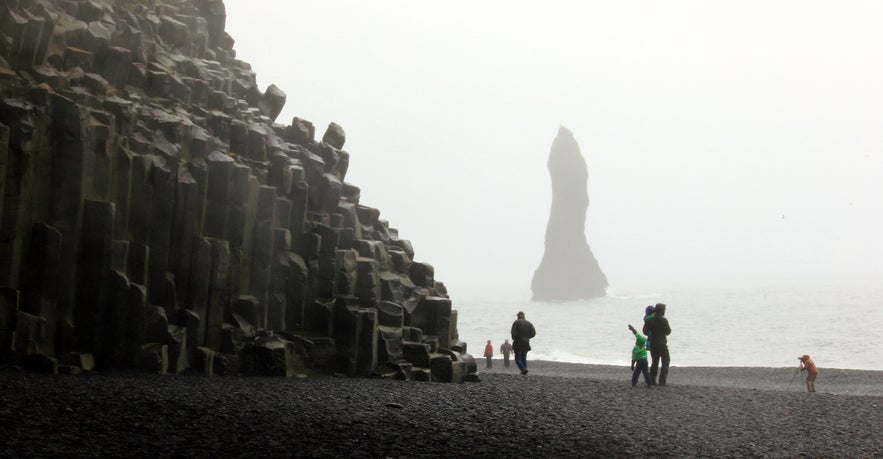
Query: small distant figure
807, 365
522, 332
489, 354
506, 349
649, 313
639, 359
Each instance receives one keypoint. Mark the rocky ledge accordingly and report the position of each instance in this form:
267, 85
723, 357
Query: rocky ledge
153, 215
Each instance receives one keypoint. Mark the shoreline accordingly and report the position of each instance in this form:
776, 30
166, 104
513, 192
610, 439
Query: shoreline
833, 381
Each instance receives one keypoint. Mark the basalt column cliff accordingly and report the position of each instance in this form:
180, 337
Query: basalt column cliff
154, 216
569, 270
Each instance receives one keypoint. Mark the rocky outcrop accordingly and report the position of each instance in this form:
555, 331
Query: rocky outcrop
569, 270
153, 214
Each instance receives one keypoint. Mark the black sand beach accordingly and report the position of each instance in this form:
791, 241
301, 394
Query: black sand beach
558, 410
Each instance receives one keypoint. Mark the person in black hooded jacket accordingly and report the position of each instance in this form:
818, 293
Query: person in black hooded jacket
522, 332
658, 328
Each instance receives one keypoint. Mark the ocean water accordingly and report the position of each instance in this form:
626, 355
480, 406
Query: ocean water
838, 328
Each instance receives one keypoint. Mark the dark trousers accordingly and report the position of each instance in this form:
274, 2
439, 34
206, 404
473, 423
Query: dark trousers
506, 360
659, 352
641, 367
490, 362
521, 360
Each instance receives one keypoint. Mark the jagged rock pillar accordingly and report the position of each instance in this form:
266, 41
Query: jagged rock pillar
115, 327
164, 180
38, 275
200, 280
243, 210
96, 251
218, 292
121, 191
262, 252
72, 143
295, 275
190, 198
8, 323
6, 254
568, 270
300, 191
366, 356
220, 168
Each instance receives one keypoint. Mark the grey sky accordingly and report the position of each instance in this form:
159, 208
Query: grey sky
727, 142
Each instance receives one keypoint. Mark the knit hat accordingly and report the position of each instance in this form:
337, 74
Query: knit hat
649, 310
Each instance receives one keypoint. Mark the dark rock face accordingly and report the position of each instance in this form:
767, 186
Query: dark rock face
153, 215
569, 270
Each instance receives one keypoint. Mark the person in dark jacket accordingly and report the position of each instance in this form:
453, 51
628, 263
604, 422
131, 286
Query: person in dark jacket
506, 349
522, 332
658, 329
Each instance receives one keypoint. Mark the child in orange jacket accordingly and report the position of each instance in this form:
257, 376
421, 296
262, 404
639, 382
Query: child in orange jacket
806, 364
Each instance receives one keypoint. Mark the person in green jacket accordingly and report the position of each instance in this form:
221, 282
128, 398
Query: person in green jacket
639, 359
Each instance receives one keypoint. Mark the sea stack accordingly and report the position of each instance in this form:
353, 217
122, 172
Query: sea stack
569, 270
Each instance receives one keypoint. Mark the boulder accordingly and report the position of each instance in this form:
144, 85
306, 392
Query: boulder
154, 358
275, 356
444, 368
334, 136
29, 335
205, 361
272, 102
390, 314
416, 353
422, 274
177, 349
81, 360
40, 363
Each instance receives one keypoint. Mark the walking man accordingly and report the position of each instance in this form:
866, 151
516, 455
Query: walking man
657, 327
506, 349
522, 332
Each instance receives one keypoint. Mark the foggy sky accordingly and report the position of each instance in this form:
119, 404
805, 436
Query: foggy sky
728, 144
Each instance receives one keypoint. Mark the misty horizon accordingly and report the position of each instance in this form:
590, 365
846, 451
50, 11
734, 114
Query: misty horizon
727, 145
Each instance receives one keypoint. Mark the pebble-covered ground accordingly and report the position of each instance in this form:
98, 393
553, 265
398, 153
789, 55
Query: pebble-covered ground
558, 410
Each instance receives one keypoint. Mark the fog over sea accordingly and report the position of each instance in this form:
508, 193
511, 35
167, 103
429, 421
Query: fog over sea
734, 143
838, 328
